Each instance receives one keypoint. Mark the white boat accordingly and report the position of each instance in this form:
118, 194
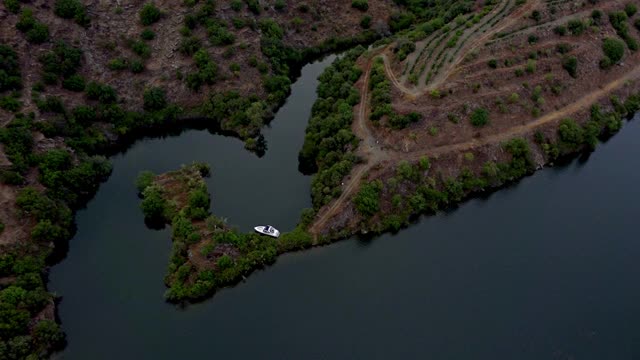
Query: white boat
267, 230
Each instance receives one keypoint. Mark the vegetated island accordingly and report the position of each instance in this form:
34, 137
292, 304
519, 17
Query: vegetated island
456, 97
206, 253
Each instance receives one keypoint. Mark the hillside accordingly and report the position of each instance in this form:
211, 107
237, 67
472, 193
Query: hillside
451, 109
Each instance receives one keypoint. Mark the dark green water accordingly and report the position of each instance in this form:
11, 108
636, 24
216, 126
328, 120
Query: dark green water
546, 269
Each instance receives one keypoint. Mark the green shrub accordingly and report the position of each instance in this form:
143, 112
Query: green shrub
10, 103
605, 63
189, 45
279, 5
570, 63
117, 64
141, 49
38, 34
362, 5
401, 20
271, 29
480, 117
597, 15
560, 30
236, 5
613, 49
536, 15
147, 34
493, 63
149, 14
136, 66
144, 180
101, 92
563, 48
1, 227
365, 22
12, 6
531, 66
576, 26
10, 78
74, 82
219, 35
154, 99
630, 9
254, 6
84, 115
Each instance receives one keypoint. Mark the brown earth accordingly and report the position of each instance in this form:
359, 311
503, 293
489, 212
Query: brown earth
114, 24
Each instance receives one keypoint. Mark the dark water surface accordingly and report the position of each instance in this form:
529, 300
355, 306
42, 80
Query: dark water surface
546, 269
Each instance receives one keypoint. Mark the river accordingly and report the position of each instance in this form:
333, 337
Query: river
544, 269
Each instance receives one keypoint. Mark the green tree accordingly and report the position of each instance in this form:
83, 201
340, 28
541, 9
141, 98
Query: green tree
153, 204
144, 180
367, 200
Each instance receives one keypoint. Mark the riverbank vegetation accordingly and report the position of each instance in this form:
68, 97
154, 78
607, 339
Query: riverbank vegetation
329, 142
207, 254
390, 203
69, 180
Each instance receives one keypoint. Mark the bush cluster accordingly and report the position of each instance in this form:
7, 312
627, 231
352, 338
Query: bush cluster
619, 22
72, 9
362, 5
234, 111
62, 63
10, 79
35, 31
207, 71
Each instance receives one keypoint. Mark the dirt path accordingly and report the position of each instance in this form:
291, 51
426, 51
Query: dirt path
368, 149
389, 155
450, 67
392, 76
509, 20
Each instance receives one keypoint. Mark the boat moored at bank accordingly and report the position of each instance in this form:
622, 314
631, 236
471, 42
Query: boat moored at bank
267, 230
